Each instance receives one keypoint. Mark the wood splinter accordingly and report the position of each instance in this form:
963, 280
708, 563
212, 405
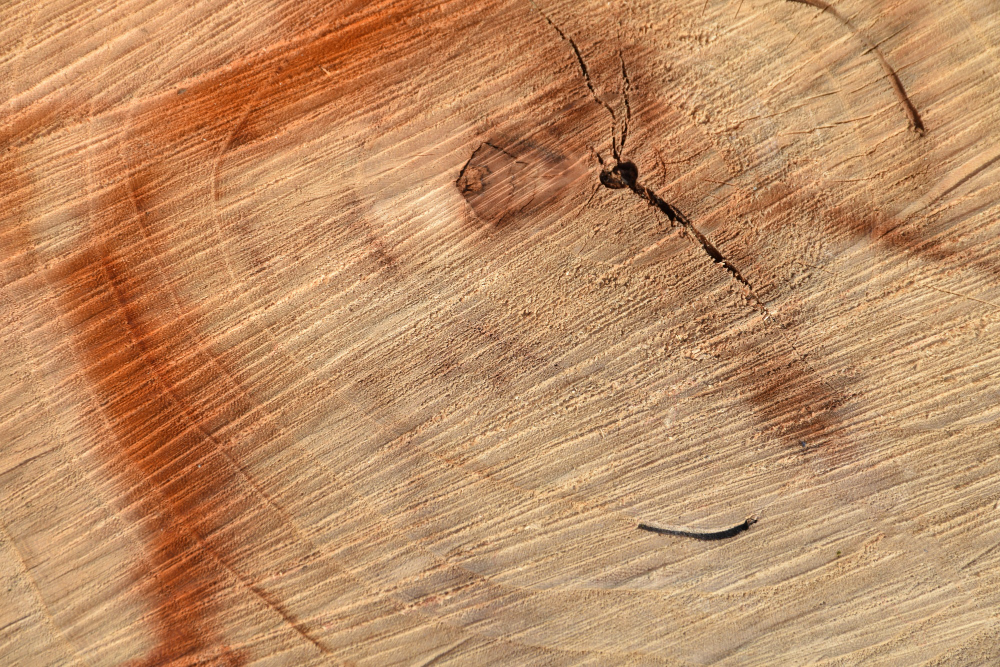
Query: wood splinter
702, 534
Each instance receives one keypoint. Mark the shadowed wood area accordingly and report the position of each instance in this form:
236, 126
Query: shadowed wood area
373, 332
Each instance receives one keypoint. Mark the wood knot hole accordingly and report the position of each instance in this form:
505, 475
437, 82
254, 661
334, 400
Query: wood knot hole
622, 175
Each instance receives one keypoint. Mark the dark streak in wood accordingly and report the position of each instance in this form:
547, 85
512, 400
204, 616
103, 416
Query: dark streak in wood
706, 535
916, 124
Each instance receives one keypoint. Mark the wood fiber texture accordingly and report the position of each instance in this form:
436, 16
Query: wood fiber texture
367, 333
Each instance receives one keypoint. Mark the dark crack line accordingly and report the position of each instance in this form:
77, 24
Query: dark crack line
916, 124
507, 153
625, 175
616, 148
626, 84
723, 534
677, 217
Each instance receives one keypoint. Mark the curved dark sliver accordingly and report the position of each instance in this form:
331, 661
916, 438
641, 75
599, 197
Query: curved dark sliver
701, 535
916, 123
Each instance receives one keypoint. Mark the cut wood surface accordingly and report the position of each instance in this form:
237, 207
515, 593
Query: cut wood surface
369, 332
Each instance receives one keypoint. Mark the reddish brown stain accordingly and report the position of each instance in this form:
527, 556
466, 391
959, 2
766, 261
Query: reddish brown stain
795, 404
784, 206
171, 411
168, 407
154, 391
791, 398
907, 239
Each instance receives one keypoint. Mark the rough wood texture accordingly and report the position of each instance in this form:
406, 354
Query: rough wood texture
369, 332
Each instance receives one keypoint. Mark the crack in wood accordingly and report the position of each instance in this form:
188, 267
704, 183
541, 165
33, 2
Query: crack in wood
626, 85
625, 175
616, 146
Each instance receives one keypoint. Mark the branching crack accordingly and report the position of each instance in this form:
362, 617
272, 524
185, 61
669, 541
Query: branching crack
616, 146
624, 174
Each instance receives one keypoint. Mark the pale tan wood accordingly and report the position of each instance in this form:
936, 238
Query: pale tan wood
323, 341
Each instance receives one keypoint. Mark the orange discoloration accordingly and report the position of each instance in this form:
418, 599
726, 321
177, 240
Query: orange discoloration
154, 395
169, 409
17, 258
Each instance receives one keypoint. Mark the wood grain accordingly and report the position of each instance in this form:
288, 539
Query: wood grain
369, 332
